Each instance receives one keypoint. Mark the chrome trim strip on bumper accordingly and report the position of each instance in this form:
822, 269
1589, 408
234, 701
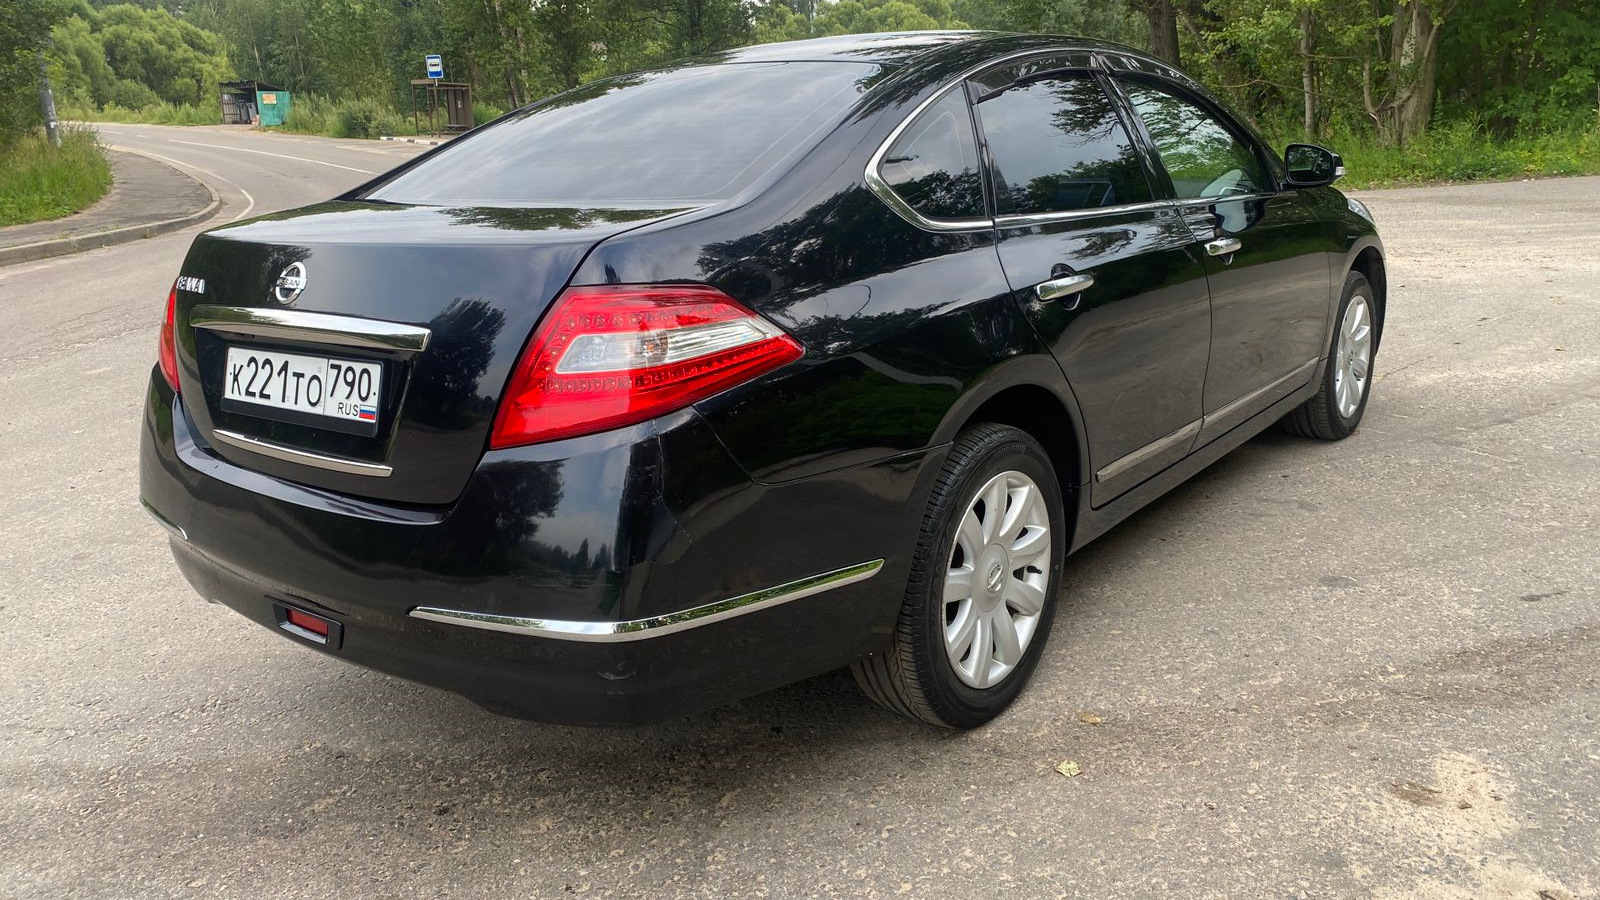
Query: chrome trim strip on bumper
303, 457
316, 328
172, 527
640, 629
1118, 466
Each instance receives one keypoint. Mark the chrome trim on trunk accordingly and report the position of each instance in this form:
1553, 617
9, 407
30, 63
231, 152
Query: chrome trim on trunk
316, 328
656, 626
303, 457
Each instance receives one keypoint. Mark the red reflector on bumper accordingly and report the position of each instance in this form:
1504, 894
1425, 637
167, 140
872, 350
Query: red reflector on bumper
308, 622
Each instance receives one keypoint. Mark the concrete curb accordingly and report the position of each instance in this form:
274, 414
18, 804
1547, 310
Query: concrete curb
77, 243
426, 142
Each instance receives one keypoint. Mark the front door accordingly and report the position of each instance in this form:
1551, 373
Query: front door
1074, 201
1266, 252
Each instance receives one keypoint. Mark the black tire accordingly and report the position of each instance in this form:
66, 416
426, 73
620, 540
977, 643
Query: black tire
915, 676
1320, 417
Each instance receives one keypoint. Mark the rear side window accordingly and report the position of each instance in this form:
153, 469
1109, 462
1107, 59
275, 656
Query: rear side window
690, 135
1201, 154
933, 165
1059, 146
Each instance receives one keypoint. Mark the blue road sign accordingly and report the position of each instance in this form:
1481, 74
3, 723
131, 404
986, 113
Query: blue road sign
435, 65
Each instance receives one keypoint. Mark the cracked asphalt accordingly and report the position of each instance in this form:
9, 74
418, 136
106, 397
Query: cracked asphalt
1368, 669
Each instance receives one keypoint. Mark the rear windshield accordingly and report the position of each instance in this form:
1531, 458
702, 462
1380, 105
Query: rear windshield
688, 135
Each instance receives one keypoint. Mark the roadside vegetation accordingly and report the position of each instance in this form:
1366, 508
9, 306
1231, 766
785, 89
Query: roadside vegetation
37, 179
40, 182
1466, 151
1409, 91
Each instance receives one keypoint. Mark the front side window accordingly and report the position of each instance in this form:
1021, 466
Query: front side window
1204, 158
933, 165
1059, 146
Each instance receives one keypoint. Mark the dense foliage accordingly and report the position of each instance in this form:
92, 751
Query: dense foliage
1383, 72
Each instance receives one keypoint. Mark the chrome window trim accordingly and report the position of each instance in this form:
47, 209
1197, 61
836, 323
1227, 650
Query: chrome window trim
878, 186
904, 210
1030, 220
312, 327
655, 626
303, 457
1225, 198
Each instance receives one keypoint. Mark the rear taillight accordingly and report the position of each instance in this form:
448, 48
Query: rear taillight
612, 355
169, 340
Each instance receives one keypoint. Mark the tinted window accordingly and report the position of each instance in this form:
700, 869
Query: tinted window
686, 135
1203, 157
1058, 146
933, 165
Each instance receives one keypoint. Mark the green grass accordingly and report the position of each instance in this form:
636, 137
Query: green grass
1465, 151
312, 114
41, 182
160, 113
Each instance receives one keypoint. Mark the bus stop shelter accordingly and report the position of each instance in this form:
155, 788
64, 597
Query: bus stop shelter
253, 102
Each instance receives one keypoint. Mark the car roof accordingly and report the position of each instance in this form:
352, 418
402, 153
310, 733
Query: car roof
884, 47
899, 47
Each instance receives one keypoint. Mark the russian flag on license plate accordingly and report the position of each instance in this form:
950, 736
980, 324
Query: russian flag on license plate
367, 413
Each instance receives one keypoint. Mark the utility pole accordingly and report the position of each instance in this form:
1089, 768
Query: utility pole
47, 103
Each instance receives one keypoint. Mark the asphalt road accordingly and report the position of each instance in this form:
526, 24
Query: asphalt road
1366, 669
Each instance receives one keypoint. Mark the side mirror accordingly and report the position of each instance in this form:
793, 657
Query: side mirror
1312, 166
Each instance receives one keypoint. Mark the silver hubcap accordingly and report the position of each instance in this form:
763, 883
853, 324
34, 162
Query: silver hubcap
1353, 361
994, 589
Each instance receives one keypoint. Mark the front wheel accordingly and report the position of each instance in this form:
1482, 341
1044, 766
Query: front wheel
981, 595
1336, 409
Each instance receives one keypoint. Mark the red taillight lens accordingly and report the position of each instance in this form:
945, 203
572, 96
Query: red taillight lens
612, 355
169, 340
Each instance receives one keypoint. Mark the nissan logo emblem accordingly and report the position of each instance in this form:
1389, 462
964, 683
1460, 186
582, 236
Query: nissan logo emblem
290, 283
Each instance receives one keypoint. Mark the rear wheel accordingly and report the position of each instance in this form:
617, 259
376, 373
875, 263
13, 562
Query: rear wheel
981, 595
1335, 410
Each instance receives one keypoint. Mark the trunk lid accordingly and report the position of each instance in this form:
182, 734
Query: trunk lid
434, 304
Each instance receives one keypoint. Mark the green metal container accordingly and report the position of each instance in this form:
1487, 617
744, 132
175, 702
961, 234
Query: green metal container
272, 107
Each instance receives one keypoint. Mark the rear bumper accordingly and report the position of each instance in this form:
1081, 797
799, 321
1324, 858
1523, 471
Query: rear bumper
622, 578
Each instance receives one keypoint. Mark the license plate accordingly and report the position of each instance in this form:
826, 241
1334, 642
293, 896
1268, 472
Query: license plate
342, 389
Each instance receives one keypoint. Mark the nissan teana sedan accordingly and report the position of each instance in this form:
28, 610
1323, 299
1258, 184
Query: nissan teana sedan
690, 383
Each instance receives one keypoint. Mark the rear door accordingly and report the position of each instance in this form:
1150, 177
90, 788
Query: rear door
1075, 202
1266, 250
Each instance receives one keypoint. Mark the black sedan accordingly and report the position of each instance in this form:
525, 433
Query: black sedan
689, 383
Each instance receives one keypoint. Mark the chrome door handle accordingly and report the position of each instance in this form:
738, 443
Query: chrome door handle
1056, 288
1223, 246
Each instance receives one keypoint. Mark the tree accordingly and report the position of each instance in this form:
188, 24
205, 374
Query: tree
179, 62
1162, 20
24, 31
1408, 61
789, 22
